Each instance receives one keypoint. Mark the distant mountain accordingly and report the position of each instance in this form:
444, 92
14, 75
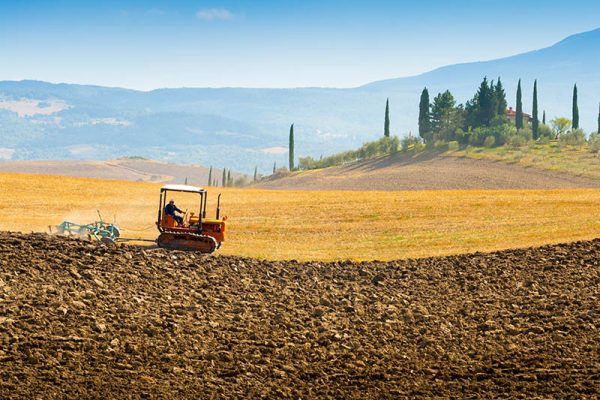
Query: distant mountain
242, 128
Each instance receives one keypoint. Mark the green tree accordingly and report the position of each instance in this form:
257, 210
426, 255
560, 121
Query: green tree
229, 178
224, 178
575, 109
446, 117
487, 105
544, 118
291, 148
598, 119
255, 173
441, 110
210, 176
560, 125
274, 166
535, 124
519, 112
500, 95
424, 116
386, 124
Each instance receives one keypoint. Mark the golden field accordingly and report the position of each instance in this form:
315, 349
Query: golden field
321, 225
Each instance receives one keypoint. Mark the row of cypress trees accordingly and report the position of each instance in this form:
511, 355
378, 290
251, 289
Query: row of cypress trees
489, 102
226, 179
535, 121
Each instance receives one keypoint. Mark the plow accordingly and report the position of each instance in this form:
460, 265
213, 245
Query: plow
192, 232
98, 230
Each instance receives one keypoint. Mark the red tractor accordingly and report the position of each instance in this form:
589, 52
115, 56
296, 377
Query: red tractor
195, 232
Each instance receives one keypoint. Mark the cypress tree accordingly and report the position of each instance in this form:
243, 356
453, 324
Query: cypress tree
424, 116
519, 112
386, 124
210, 176
255, 173
500, 95
598, 119
575, 109
291, 148
274, 166
224, 178
229, 178
544, 118
493, 101
535, 124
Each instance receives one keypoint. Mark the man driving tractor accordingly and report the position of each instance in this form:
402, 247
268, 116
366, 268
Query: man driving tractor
171, 209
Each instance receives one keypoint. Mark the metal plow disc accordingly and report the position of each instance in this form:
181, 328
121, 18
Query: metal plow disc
187, 242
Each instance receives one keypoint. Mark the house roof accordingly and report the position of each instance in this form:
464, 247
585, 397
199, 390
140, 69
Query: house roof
512, 113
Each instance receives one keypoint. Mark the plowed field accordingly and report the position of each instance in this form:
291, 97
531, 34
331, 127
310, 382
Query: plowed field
78, 320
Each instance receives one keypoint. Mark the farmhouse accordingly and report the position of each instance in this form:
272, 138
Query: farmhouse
512, 116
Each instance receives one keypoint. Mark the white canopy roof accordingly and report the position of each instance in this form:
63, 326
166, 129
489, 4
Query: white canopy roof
183, 188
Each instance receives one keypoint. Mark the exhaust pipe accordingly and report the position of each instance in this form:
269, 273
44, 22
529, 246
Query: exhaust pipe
218, 206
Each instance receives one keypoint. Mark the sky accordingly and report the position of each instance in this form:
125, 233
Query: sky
269, 43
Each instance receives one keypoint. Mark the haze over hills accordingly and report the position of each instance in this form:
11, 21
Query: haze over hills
121, 169
240, 128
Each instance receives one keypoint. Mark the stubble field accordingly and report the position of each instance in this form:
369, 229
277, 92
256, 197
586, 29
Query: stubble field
322, 225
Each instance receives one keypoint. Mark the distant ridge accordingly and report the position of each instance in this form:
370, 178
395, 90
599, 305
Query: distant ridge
242, 128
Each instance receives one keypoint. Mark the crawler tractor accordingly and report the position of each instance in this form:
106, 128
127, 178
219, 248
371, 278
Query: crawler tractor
195, 232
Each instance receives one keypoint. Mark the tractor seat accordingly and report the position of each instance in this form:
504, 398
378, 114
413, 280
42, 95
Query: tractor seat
168, 221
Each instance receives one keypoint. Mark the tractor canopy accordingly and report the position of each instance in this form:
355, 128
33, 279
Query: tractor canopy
183, 188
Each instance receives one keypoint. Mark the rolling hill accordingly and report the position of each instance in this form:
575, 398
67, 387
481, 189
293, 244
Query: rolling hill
241, 128
122, 169
425, 171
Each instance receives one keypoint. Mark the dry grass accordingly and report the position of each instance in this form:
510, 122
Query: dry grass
308, 225
553, 156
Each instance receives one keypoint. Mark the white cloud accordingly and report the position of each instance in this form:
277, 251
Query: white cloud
275, 150
211, 14
6, 153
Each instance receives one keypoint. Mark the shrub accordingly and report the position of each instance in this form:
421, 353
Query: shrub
516, 141
385, 145
440, 145
594, 142
453, 145
573, 137
545, 131
409, 141
419, 146
544, 140
241, 182
500, 134
489, 141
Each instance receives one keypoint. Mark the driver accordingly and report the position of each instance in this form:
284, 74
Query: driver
171, 209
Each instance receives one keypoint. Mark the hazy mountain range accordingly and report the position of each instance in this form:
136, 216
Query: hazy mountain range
240, 128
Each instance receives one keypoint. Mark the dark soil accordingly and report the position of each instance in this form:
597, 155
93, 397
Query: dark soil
78, 320
428, 171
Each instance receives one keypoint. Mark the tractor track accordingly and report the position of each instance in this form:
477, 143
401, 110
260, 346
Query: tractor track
80, 320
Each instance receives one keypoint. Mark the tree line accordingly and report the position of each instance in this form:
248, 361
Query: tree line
483, 120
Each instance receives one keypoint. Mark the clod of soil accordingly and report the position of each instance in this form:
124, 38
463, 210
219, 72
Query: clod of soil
78, 320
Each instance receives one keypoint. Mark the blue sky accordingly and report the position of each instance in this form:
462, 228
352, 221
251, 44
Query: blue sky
151, 44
